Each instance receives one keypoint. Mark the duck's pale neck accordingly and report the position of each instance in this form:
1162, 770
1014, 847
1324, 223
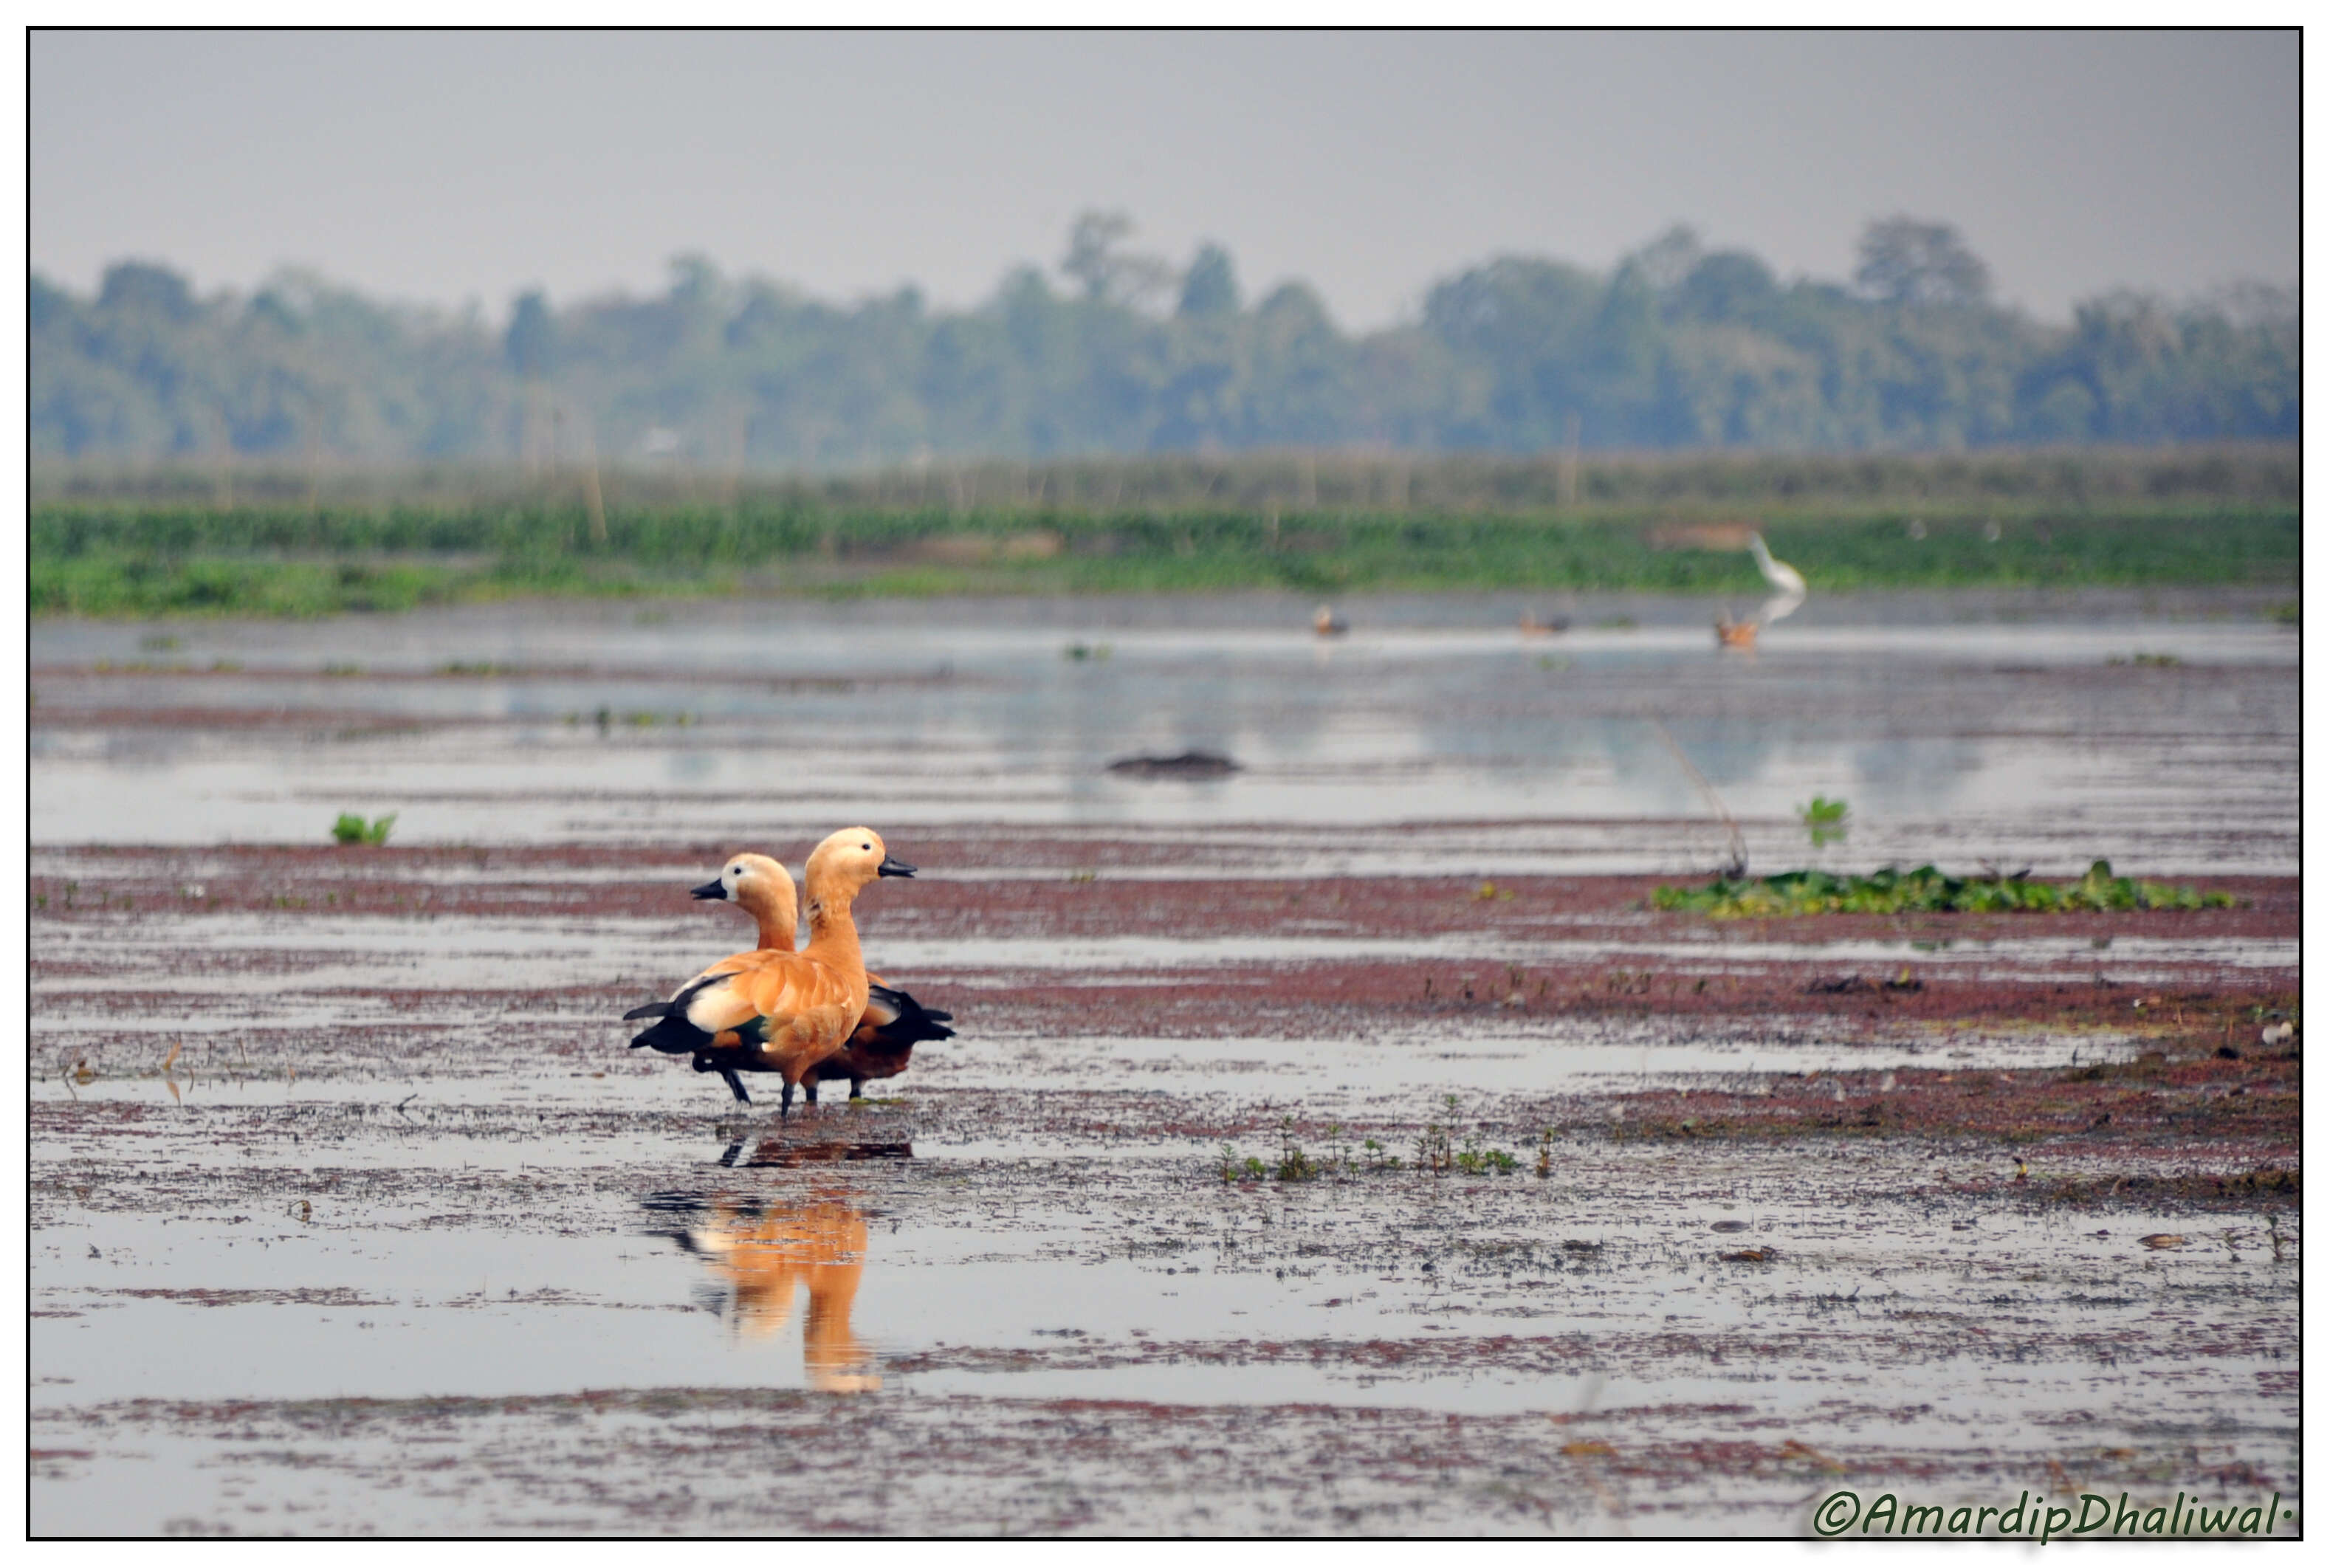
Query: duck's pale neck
775, 917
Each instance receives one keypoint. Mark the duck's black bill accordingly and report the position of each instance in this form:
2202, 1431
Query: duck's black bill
709, 890
892, 866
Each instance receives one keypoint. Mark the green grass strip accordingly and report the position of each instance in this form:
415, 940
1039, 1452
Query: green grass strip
1926, 890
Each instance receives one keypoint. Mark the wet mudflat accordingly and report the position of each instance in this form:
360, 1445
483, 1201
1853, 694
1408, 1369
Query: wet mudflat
1342, 1144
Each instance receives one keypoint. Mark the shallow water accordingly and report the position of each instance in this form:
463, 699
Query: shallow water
1992, 738
400, 1152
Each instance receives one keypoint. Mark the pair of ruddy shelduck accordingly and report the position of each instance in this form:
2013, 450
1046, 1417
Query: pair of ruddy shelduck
810, 1017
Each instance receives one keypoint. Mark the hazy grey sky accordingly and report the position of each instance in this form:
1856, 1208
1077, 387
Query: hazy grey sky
452, 166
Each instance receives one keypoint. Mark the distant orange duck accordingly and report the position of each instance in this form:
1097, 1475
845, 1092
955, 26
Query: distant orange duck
788, 1011
1327, 623
885, 1039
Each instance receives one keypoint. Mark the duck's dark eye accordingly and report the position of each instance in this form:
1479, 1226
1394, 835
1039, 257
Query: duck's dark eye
866, 847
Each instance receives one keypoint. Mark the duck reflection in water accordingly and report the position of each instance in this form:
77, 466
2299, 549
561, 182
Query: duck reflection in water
766, 1251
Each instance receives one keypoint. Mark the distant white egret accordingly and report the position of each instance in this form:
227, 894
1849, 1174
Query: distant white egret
1787, 595
1784, 578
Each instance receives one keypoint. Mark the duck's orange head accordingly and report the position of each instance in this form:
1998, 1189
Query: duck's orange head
849, 859
753, 880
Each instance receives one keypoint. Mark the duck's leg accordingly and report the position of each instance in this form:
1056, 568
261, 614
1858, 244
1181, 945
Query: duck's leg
857, 1089
736, 1085
785, 1102
809, 1093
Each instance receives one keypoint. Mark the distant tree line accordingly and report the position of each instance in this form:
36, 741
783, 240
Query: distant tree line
1678, 346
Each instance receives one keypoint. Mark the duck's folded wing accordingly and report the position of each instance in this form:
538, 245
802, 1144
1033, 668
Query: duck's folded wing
729, 1001
730, 965
706, 1006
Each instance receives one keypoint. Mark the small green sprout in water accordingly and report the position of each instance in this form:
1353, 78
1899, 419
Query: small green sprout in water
1474, 1160
1436, 1152
1925, 890
352, 828
1824, 819
1432, 1150
1234, 1169
1294, 1163
1086, 653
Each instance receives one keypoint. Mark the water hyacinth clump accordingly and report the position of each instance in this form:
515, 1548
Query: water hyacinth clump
1892, 891
352, 828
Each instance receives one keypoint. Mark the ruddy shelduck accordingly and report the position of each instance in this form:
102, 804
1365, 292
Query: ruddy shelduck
789, 1011
883, 1041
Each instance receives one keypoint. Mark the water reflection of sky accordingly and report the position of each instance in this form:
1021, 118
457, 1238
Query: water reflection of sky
2012, 739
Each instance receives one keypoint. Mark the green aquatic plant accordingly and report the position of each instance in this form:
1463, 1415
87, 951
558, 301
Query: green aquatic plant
1474, 1159
1294, 1162
1438, 1152
352, 828
1925, 890
1824, 819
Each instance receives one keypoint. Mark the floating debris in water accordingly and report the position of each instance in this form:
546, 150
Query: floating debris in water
1180, 765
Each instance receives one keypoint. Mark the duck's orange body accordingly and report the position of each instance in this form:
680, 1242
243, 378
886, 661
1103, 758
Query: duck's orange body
775, 1010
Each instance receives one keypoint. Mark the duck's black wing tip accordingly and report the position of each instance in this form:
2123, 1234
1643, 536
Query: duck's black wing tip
674, 1035
913, 1020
